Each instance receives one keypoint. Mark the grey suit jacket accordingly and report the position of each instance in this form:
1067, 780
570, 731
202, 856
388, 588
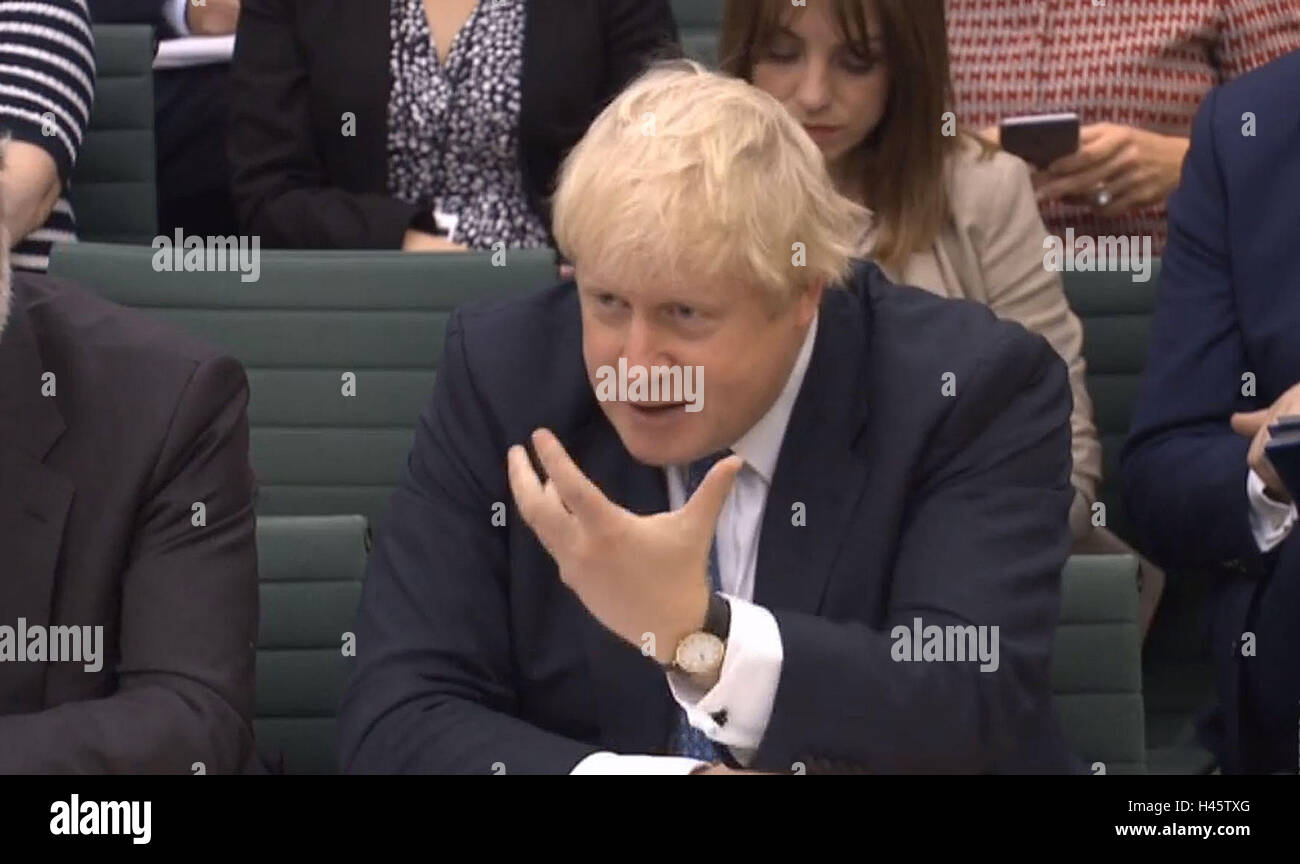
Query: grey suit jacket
113, 430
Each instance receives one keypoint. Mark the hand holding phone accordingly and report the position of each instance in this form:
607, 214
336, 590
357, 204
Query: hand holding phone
1040, 139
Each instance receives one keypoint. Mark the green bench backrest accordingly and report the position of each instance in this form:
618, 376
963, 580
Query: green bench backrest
1097, 663
1116, 316
113, 190
699, 24
310, 571
312, 318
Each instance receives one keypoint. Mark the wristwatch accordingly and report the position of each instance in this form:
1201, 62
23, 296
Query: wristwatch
700, 653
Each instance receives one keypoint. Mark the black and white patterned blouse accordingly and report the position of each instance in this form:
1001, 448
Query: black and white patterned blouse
47, 86
453, 130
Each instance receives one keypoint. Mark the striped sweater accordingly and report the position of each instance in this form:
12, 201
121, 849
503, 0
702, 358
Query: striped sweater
1141, 63
47, 84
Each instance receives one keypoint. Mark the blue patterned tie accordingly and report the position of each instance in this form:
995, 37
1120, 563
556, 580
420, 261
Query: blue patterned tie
685, 739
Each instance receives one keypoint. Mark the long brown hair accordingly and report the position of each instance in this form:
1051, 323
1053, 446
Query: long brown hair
904, 160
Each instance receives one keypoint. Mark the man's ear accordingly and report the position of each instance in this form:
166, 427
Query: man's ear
810, 299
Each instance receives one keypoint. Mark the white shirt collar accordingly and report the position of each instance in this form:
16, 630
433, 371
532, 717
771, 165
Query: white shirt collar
761, 445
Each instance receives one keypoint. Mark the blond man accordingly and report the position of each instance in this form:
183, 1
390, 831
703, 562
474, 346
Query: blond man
705, 508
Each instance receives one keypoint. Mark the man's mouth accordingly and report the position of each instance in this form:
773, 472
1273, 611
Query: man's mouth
655, 407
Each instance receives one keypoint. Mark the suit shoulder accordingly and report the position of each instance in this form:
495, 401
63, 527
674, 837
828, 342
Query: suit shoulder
912, 319
64, 310
1274, 82
517, 350
83, 333
1266, 94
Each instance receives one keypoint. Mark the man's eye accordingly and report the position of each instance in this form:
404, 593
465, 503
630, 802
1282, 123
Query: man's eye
607, 300
684, 312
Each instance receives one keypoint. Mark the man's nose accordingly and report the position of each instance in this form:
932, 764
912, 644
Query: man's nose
644, 344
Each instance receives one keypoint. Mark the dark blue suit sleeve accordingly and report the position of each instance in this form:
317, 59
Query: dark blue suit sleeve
983, 543
432, 691
1184, 468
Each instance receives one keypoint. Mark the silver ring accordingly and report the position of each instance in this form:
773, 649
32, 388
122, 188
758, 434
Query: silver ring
1101, 197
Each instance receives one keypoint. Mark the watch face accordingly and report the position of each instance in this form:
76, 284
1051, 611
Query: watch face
700, 653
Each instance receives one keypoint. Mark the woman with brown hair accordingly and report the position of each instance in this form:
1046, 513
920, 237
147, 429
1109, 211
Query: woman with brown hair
869, 81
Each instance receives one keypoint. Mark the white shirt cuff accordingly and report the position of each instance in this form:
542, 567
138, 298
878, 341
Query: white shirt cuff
746, 687
174, 15
607, 762
1270, 521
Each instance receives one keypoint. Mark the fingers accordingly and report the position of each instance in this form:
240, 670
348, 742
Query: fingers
1248, 423
1096, 146
579, 494
1084, 182
706, 503
1259, 462
538, 504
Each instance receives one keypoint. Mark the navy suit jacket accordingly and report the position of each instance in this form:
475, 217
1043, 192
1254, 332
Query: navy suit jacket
1229, 305
951, 508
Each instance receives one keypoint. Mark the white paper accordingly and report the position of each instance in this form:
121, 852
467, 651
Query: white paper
194, 51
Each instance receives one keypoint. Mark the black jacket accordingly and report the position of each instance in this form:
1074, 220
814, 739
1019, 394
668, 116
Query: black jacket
300, 66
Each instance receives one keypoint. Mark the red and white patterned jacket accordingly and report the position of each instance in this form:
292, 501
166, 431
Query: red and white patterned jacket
1142, 63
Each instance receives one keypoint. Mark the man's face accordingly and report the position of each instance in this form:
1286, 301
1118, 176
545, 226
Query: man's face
745, 341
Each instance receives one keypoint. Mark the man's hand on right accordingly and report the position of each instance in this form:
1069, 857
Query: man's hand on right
211, 17
1254, 425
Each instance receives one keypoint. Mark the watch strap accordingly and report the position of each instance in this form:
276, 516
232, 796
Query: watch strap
717, 620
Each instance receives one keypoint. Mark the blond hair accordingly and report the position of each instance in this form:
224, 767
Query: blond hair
699, 176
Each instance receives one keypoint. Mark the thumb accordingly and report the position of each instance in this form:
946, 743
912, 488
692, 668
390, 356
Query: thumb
706, 503
1247, 423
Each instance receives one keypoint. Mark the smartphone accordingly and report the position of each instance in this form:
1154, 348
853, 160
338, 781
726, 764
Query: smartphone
1040, 139
1283, 451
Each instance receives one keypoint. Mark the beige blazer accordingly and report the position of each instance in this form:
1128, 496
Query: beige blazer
991, 251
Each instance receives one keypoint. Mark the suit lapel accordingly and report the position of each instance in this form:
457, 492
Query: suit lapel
818, 467
820, 474
34, 504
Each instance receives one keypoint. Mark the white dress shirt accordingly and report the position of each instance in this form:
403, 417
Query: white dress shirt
751, 666
1270, 521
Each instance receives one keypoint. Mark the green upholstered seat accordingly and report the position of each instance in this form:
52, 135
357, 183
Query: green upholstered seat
311, 319
1096, 665
1116, 314
113, 190
310, 570
698, 26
